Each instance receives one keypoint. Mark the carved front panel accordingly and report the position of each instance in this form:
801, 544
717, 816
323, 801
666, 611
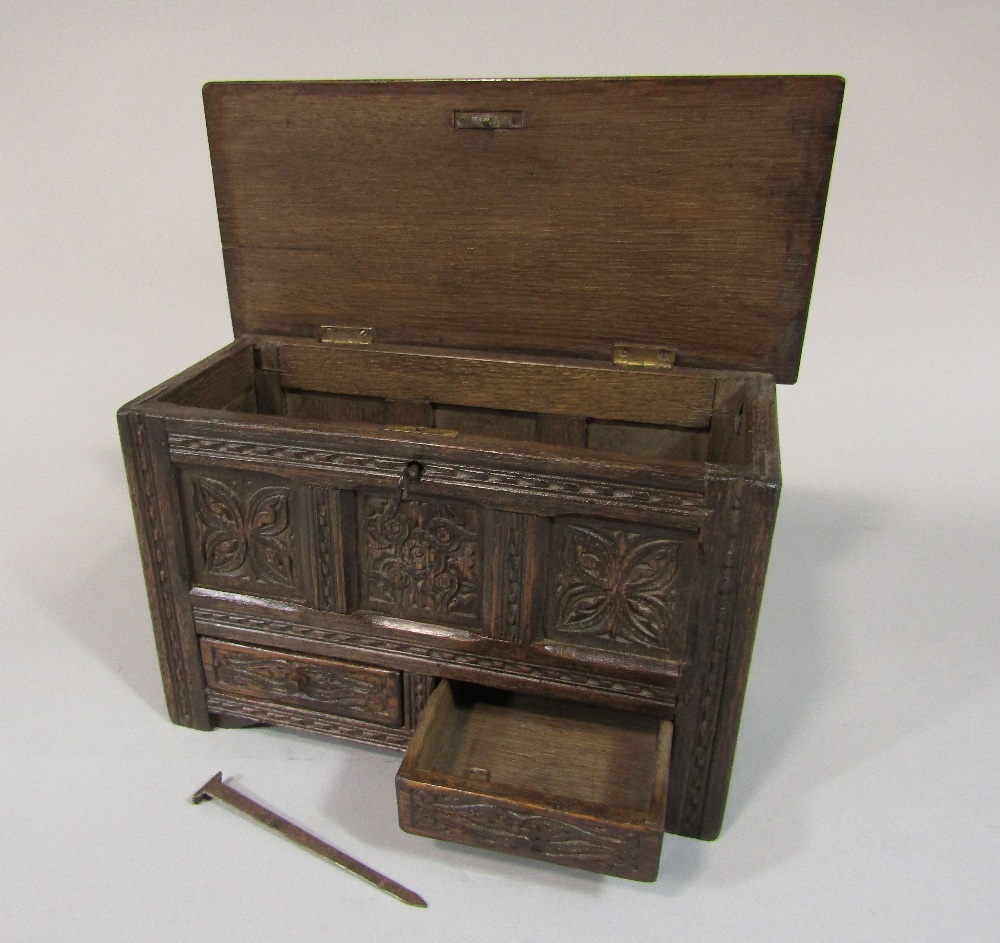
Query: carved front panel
561, 838
421, 559
618, 586
244, 533
320, 684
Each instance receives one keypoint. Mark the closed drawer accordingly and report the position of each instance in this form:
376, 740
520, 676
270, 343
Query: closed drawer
319, 684
567, 783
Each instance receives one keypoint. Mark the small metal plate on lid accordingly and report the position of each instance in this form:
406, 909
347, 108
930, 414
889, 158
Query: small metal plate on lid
488, 120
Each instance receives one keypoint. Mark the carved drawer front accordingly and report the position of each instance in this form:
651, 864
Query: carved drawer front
319, 684
553, 780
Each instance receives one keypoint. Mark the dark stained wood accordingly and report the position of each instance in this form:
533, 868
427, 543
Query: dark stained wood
528, 477
759, 505
267, 385
227, 382
631, 438
684, 212
492, 423
306, 404
157, 516
406, 412
575, 549
335, 687
544, 779
562, 430
410, 646
196, 379
298, 718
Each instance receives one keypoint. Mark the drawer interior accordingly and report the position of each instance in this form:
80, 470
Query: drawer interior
543, 778
518, 743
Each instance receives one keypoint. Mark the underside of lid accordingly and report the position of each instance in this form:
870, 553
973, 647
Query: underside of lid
555, 216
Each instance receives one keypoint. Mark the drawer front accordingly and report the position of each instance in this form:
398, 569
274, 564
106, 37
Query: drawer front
512, 827
318, 684
539, 778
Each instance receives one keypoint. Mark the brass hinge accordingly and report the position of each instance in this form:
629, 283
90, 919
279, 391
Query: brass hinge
644, 355
353, 336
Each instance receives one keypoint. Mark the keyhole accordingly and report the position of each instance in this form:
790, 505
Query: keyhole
413, 472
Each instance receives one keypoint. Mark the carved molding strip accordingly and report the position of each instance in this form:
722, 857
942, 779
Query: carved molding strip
207, 620
565, 487
512, 574
416, 690
269, 713
161, 593
236, 451
711, 684
325, 563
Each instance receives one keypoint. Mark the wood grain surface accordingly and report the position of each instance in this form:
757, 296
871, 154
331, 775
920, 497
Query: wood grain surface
684, 212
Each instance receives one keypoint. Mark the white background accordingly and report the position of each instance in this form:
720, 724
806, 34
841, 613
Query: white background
864, 803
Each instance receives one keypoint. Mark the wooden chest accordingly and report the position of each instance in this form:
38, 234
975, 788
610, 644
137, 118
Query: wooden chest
490, 471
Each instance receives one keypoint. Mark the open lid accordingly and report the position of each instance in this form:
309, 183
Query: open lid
552, 216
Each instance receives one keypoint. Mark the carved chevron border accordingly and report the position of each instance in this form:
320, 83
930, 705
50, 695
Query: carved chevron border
711, 686
158, 583
207, 619
267, 712
237, 451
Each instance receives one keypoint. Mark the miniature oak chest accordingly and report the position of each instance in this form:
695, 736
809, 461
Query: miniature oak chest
490, 471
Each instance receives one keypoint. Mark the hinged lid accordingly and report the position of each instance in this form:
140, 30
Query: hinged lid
559, 216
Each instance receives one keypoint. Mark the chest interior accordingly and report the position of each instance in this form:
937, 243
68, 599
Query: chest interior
538, 405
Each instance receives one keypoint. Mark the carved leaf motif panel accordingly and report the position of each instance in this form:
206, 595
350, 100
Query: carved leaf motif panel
618, 587
421, 559
243, 533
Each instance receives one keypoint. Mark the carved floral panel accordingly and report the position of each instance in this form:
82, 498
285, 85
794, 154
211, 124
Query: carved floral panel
241, 530
421, 558
615, 585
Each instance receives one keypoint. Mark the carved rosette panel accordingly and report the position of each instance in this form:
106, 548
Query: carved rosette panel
241, 531
340, 688
615, 586
421, 558
578, 843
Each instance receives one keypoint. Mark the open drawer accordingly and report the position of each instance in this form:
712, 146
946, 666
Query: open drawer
562, 782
